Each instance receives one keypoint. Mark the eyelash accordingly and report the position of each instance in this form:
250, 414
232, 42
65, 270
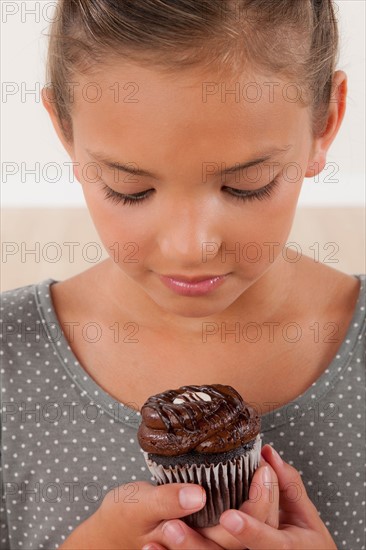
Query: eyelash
260, 194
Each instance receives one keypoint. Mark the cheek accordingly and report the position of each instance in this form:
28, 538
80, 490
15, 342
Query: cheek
122, 232
264, 230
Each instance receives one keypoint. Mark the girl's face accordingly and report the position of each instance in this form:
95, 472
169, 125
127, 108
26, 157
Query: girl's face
182, 133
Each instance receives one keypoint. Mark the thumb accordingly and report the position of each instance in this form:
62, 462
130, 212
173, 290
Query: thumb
174, 500
157, 503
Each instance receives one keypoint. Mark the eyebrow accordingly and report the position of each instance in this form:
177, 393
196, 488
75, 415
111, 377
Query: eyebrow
116, 165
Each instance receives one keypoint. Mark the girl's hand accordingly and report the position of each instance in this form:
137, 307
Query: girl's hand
300, 527
133, 514
263, 504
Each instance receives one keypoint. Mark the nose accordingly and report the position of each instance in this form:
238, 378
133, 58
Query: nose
187, 231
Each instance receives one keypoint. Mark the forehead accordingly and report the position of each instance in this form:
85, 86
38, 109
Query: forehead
129, 98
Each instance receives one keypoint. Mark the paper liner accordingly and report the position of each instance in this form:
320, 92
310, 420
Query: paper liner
226, 484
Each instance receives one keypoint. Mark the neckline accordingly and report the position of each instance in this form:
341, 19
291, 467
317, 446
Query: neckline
129, 415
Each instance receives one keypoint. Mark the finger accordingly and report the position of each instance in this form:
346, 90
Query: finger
263, 501
273, 518
220, 536
153, 546
177, 534
258, 504
157, 503
274, 499
174, 500
294, 499
254, 534
262, 504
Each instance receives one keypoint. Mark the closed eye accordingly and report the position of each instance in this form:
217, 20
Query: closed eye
239, 194
259, 194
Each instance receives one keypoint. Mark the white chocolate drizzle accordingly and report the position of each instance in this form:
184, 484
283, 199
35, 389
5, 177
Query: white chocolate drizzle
190, 396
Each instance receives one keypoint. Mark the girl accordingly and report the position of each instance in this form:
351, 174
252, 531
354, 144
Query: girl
191, 126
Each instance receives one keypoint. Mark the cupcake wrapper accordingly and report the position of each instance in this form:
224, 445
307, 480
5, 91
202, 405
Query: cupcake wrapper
226, 484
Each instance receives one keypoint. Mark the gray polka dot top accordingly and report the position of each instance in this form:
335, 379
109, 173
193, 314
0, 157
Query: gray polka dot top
66, 442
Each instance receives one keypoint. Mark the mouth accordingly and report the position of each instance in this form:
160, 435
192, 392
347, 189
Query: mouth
196, 286
193, 280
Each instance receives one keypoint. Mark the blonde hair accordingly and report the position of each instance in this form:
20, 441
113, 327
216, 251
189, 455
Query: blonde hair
294, 39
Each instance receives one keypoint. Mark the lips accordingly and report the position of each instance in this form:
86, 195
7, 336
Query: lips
193, 286
193, 280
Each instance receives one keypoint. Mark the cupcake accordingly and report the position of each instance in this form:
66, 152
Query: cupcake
206, 435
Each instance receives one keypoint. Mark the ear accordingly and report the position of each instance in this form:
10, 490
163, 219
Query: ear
48, 100
337, 109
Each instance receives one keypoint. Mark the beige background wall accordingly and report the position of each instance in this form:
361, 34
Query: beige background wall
339, 232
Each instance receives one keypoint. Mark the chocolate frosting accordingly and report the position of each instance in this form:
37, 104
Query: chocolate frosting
204, 419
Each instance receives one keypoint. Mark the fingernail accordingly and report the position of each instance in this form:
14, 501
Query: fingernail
173, 532
191, 497
233, 522
276, 457
266, 475
150, 547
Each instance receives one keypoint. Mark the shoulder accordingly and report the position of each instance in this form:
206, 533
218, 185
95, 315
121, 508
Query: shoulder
328, 288
18, 302
330, 298
345, 301
20, 312
24, 343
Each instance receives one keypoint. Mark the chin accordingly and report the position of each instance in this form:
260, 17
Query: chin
194, 313
193, 307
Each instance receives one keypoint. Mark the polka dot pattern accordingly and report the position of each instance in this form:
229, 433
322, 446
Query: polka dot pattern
66, 442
